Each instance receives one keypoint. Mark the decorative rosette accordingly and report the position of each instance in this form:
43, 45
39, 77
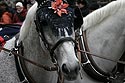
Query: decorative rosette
59, 7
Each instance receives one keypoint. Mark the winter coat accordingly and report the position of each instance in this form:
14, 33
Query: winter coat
19, 17
6, 18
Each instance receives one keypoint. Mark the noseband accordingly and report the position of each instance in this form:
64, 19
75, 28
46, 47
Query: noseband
61, 41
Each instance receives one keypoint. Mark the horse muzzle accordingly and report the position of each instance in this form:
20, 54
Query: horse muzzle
70, 73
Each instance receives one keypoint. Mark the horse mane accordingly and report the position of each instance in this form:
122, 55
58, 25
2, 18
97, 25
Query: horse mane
100, 14
27, 22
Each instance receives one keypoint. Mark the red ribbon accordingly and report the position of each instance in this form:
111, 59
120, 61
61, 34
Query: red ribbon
59, 7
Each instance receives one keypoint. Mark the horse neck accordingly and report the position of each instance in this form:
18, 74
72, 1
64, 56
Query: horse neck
107, 40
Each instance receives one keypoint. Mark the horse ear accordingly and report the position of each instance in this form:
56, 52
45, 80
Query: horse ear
78, 21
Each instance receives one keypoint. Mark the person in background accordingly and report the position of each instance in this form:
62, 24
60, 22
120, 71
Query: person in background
93, 6
10, 3
5, 15
82, 5
11, 6
24, 2
20, 14
30, 3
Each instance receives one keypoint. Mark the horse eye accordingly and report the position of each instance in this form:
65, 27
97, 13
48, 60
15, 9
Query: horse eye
44, 23
73, 44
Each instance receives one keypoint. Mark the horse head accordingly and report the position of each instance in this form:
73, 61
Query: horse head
55, 25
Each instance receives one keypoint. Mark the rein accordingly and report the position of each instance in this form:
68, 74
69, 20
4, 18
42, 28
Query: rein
52, 54
30, 61
122, 62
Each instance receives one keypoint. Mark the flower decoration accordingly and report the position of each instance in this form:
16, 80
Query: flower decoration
59, 7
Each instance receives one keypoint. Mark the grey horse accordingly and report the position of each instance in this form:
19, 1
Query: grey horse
105, 34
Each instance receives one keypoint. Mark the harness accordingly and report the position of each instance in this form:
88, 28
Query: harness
89, 65
86, 61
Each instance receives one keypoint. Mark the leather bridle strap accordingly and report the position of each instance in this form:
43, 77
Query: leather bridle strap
62, 40
54, 68
89, 63
88, 52
52, 54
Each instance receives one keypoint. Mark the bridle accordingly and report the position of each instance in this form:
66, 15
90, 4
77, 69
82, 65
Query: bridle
51, 50
61, 41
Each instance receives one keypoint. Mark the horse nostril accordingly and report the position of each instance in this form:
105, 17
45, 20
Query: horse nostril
65, 69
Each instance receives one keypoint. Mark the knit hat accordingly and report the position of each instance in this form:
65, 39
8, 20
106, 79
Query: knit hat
19, 4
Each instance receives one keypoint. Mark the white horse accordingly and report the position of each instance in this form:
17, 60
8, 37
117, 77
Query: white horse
49, 38
105, 33
50, 41
105, 37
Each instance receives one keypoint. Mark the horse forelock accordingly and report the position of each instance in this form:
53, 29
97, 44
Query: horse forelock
100, 14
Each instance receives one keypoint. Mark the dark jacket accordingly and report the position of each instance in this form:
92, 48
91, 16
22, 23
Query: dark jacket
6, 18
19, 17
85, 11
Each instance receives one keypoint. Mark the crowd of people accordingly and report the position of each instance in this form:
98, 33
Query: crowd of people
14, 12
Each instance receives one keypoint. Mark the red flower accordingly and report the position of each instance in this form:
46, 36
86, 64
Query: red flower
2, 41
59, 7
